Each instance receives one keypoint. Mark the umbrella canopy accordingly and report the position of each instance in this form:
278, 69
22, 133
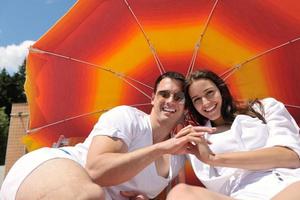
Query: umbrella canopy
105, 53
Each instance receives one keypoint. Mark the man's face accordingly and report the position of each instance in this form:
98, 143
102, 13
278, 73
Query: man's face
168, 101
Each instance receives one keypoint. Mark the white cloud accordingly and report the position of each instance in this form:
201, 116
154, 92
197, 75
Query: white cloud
13, 56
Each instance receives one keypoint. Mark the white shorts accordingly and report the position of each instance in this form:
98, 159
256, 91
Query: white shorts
24, 166
265, 185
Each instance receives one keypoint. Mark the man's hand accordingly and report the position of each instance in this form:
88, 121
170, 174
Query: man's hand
186, 139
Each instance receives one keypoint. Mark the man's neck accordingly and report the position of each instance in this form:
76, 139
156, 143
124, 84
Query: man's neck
160, 130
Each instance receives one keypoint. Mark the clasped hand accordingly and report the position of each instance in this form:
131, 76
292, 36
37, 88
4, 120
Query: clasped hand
189, 139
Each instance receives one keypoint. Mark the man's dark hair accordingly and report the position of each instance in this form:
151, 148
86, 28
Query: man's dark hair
172, 75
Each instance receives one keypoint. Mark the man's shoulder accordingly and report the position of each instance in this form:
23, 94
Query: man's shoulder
126, 116
126, 110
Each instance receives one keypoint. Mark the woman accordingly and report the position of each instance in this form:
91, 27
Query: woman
254, 154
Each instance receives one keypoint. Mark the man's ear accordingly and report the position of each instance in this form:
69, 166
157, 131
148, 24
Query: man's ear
152, 99
183, 117
186, 111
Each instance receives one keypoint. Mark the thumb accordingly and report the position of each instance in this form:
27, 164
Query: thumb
141, 197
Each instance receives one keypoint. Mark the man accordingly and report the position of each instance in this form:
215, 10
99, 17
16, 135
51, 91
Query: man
127, 151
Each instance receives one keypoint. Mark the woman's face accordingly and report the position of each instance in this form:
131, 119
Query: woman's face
207, 99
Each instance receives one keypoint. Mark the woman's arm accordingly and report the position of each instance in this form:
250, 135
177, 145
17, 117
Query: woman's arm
281, 150
267, 158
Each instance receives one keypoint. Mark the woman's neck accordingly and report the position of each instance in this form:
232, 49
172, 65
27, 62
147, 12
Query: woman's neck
222, 128
218, 122
221, 125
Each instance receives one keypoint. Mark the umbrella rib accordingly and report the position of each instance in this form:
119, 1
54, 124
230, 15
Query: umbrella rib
198, 43
292, 106
76, 117
64, 120
231, 70
100, 111
139, 82
151, 46
120, 75
138, 89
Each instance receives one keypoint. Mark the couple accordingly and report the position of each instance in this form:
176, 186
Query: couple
130, 155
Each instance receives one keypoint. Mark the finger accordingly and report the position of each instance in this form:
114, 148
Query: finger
192, 149
184, 131
204, 129
189, 129
202, 136
208, 141
141, 197
128, 193
196, 134
193, 140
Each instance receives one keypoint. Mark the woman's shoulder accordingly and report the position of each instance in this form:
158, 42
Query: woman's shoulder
271, 102
273, 106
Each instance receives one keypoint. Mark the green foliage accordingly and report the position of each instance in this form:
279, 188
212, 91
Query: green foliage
12, 88
4, 124
11, 91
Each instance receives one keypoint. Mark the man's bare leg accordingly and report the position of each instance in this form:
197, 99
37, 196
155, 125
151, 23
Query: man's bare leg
292, 192
189, 192
59, 179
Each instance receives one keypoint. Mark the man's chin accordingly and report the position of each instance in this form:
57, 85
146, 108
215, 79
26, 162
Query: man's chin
171, 117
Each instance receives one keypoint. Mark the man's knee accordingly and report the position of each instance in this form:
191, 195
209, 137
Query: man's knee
178, 191
59, 179
92, 191
80, 191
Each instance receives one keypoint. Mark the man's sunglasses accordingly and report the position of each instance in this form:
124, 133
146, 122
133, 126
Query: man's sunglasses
178, 96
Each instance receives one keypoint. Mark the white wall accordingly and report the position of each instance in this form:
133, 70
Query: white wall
2, 169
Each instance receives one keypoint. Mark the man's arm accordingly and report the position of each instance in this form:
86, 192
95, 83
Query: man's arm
109, 163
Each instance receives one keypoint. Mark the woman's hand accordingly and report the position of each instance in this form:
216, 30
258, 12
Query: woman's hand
204, 153
200, 147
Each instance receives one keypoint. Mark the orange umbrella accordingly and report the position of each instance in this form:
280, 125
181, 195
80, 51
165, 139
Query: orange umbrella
106, 53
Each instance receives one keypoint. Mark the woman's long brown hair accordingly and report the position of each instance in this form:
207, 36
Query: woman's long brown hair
230, 107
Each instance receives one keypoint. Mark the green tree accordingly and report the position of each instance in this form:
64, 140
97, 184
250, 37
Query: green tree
11, 91
17, 93
4, 83
12, 88
4, 122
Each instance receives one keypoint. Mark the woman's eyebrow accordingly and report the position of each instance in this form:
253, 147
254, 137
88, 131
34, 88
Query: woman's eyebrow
208, 89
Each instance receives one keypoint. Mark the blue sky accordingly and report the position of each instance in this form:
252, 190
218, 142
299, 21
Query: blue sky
24, 21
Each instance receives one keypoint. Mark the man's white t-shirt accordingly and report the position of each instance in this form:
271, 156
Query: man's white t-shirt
127, 123
134, 128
